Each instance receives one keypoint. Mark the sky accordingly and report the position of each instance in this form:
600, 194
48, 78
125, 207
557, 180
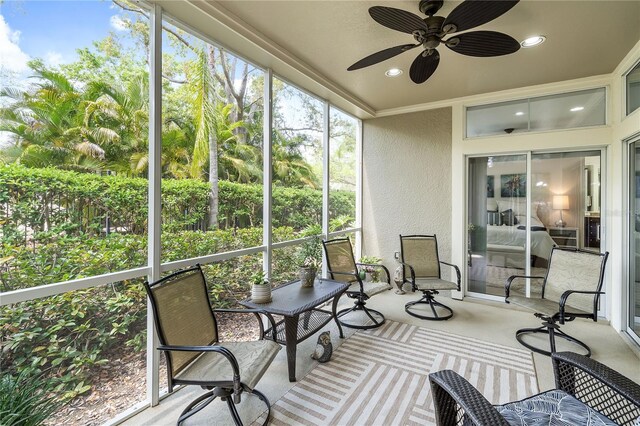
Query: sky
51, 30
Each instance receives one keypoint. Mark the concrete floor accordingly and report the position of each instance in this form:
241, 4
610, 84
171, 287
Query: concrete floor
489, 321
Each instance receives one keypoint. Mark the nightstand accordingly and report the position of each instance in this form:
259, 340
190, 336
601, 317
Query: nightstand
566, 237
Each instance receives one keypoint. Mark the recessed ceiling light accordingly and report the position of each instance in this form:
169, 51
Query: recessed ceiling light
519, 113
576, 109
393, 72
533, 41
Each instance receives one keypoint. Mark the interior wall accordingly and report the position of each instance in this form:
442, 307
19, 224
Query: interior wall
406, 181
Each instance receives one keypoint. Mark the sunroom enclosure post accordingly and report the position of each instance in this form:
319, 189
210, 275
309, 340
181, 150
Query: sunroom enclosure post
154, 204
325, 176
267, 190
359, 148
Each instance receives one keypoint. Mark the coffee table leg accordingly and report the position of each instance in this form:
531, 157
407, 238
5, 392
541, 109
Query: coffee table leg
334, 308
291, 334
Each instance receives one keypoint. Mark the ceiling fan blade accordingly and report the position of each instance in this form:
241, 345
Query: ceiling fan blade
424, 66
483, 44
472, 13
380, 56
397, 19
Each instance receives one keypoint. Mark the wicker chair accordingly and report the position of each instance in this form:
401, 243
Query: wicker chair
342, 266
586, 391
188, 334
571, 289
419, 255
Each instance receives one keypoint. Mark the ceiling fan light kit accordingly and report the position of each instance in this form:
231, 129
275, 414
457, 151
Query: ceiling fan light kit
429, 33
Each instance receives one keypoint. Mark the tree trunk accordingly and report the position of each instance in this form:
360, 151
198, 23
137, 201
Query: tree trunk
213, 147
213, 181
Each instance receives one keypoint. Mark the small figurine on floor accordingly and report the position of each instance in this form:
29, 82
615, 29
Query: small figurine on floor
324, 348
399, 279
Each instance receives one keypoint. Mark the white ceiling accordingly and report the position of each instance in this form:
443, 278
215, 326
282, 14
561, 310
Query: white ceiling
584, 38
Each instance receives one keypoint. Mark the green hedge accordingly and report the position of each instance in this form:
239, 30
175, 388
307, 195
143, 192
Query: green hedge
36, 204
69, 336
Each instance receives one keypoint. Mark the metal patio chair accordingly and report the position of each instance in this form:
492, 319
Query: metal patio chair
188, 334
419, 256
342, 266
571, 289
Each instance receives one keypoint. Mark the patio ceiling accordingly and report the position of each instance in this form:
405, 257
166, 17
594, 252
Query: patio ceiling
584, 38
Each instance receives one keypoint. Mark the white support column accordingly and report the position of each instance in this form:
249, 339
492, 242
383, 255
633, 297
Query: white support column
527, 249
155, 151
358, 248
325, 176
267, 171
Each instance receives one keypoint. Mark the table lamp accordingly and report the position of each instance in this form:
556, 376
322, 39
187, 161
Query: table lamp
561, 202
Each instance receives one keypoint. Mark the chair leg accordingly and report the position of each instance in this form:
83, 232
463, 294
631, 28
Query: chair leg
360, 305
266, 401
428, 299
205, 399
197, 405
234, 413
552, 329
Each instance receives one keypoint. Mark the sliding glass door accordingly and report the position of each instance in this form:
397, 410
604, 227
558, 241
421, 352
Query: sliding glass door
496, 247
516, 216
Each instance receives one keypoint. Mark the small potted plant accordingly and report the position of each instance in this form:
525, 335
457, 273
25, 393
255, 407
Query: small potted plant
260, 289
373, 272
309, 258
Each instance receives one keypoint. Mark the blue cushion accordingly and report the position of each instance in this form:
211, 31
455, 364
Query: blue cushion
554, 407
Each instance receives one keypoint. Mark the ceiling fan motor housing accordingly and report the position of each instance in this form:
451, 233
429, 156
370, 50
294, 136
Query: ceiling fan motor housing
430, 7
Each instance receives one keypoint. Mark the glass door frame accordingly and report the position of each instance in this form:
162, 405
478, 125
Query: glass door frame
604, 203
628, 224
527, 269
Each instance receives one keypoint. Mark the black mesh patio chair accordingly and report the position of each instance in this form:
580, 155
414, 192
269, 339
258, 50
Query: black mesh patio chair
419, 255
342, 266
188, 334
571, 289
587, 393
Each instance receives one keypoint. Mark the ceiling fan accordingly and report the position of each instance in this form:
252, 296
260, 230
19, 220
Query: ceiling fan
431, 31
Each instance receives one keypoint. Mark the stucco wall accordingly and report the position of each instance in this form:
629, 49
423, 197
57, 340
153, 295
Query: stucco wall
406, 181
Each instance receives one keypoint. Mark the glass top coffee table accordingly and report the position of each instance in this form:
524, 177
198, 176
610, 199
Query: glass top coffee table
293, 301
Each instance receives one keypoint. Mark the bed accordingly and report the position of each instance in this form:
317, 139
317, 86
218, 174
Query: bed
506, 245
506, 233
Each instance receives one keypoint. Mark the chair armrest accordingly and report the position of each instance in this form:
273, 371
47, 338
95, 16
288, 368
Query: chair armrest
413, 272
257, 313
212, 348
378, 265
598, 386
452, 392
565, 296
237, 385
507, 284
456, 269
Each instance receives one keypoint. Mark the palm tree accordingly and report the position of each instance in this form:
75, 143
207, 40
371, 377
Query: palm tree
48, 124
289, 166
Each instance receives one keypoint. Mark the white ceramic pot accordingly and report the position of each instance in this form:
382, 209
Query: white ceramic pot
261, 293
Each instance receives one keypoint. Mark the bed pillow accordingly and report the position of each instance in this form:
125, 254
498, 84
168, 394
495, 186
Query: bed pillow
508, 218
519, 207
522, 219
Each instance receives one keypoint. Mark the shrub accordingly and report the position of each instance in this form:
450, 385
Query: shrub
25, 399
36, 204
70, 335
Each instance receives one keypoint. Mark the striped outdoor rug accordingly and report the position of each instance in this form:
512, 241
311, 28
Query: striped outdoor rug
379, 377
